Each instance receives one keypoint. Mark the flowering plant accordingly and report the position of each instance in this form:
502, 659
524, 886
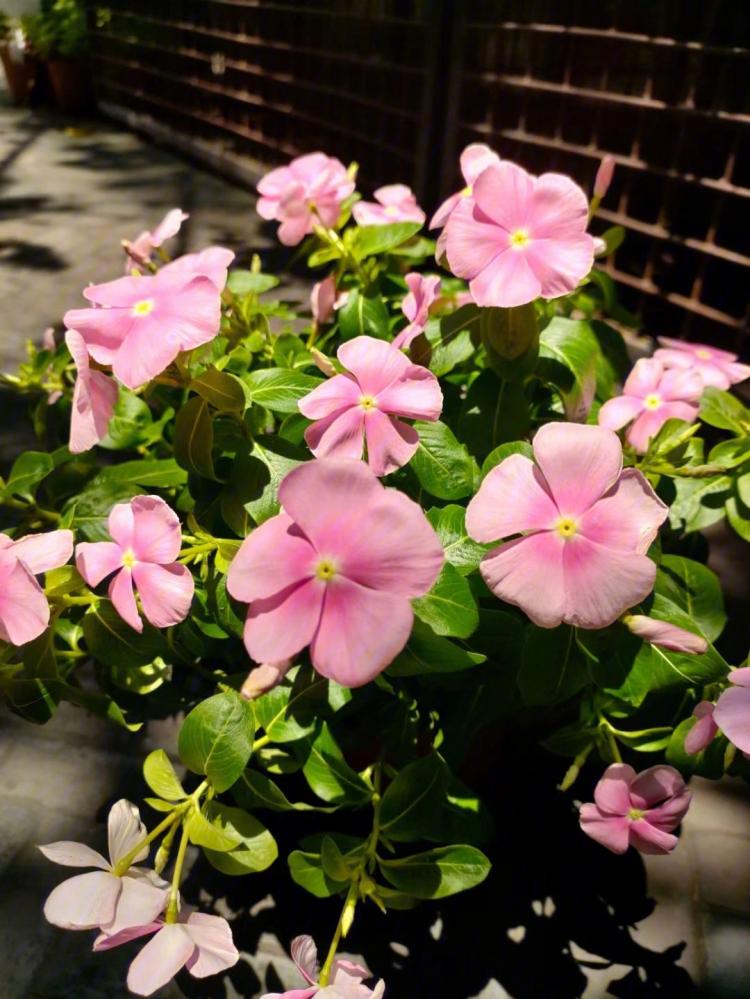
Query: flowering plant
350, 542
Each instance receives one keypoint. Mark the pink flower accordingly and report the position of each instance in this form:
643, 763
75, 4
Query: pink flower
48, 339
636, 810
704, 729
716, 367
213, 263
322, 299
24, 611
147, 542
309, 190
586, 526
665, 635
139, 251
474, 159
94, 398
518, 237
393, 203
651, 396
345, 980
732, 711
104, 898
141, 324
199, 942
423, 291
604, 176
363, 406
264, 678
336, 570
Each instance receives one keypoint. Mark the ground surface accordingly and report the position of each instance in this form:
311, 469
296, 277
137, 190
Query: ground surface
66, 199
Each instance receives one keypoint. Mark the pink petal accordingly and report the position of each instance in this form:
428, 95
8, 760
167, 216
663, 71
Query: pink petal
274, 557
83, 902
275, 181
77, 348
212, 936
192, 311
504, 192
600, 583
417, 396
71, 854
732, 715
735, 372
124, 831
157, 535
703, 731
528, 573
646, 426
610, 831
559, 210
475, 158
94, 399
322, 299
681, 386
160, 960
513, 498
648, 839
653, 786
423, 291
120, 524
506, 282
305, 956
340, 435
24, 611
740, 677
42, 552
166, 592
390, 443
106, 941
294, 229
120, 293
666, 635
139, 904
263, 678
211, 263
627, 517
123, 598
147, 351
95, 560
407, 336
375, 364
670, 814
104, 330
560, 264
580, 463
280, 626
644, 379
169, 226
443, 213
615, 413
612, 793
361, 632
472, 239
330, 397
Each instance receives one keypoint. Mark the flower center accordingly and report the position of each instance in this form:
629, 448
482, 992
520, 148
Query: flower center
391, 211
367, 402
143, 307
467, 191
652, 401
635, 813
325, 569
704, 355
128, 558
519, 239
566, 527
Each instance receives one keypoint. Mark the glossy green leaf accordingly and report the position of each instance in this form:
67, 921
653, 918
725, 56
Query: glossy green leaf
553, 668
413, 801
363, 315
161, 777
330, 776
222, 390
216, 738
202, 832
426, 652
442, 464
463, 553
504, 451
307, 871
449, 608
194, 438
250, 282
695, 589
279, 389
369, 240
437, 873
255, 848
568, 353
27, 472
493, 413
723, 410
115, 643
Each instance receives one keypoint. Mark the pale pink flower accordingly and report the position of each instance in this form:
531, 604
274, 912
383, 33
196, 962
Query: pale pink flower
94, 398
213, 263
141, 324
139, 251
199, 942
393, 203
147, 540
364, 406
600, 247
322, 299
310, 190
345, 980
24, 611
423, 291
264, 678
586, 526
336, 570
639, 810
732, 711
718, 368
104, 898
665, 635
48, 339
650, 396
474, 159
604, 176
703, 731
518, 237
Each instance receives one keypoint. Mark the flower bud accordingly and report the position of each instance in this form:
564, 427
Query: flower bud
665, 635
264, 678
604, 176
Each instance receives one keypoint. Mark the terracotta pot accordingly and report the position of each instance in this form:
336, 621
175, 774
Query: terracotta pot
71, 84
20, 75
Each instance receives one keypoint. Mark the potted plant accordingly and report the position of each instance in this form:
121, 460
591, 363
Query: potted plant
58, 34
19, 63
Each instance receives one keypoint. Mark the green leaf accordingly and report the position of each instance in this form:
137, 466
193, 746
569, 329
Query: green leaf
449, 608
330, 776
333, 862
437, 873
256, 790
413, 801
552, 666
696, 590
161, 473
494, 412
115, 643
279, 389
253, 487
161, 777
101, 705
216, 738
568, 354
743, 488
250, 283
613, 238
708, 763
225, 392
371, 239
131, 424
256, 848
194, 438
504, 451
307, 871
202, 832
28, 471
363, 315
731, 453
426, 652
443, 465
509, 333
699, 503
723, 410
460, 550
738, 515
287, 713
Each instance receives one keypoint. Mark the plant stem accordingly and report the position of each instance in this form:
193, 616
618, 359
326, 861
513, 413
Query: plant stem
123, 865
174, 891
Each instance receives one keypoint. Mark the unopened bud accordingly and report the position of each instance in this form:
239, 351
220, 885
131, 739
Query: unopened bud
264, 678
604, 176
665, 635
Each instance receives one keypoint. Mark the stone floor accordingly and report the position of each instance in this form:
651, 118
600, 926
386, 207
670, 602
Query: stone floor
67, 196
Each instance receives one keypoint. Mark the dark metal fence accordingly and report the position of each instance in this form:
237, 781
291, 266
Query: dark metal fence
402, 85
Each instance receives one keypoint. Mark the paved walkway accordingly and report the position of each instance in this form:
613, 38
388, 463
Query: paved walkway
66, 199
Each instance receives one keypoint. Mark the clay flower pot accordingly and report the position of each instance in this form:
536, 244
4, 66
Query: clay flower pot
71, 84
20, 72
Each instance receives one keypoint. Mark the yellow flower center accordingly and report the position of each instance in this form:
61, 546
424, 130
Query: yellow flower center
128, 558
652, 401
566, 527
635, 814
143, 307
519, 239
467, 191
704, 355
391, 211
367, 402
325, 569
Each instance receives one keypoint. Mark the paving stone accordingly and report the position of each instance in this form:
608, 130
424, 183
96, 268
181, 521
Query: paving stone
723, 866
728, 957
719, 807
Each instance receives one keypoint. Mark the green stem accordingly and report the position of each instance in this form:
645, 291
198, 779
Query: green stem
260, 743
65, 601
687, 472
123, 865
571, 775
173, 906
